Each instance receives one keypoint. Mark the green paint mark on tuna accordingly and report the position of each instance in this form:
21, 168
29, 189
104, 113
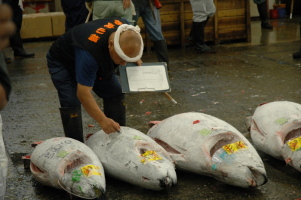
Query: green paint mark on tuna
205, 132
62, 154
76, 175
281, 120
136, 137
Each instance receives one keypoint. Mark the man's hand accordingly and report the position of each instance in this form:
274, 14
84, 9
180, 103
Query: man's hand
86, 98
109, 126
7, 27
139, 62
126, 4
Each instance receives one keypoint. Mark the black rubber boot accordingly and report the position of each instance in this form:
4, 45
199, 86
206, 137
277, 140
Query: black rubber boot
115, 109
161, 51
263, 14
7, 59
297, 55
17, 46
72, 122
189, 41
199, 37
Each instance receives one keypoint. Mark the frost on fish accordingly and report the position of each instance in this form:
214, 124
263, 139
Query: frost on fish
3, 164
206, 145
68, 164
276, 131
135, 158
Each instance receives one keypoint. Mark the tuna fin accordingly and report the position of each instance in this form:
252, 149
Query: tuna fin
26, 157
166, 146
26, 161
152, 123
248, 122
36, 143
288, 160
88, 136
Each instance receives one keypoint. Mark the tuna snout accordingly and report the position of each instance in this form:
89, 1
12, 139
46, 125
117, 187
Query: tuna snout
257, 179
166, 182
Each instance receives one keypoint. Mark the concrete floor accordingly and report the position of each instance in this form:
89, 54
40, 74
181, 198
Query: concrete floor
229, 85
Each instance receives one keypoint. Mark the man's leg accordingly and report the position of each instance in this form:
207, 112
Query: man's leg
16, 40
297, 54
70, 109
202, 10
75, 11
152, 22
263, 14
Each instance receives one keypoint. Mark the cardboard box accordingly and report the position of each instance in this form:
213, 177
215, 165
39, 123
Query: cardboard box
36, 25
58, 23
28, 29
43, 24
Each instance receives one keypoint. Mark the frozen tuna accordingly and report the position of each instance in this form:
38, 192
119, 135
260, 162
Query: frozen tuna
68, 164
3, 164
135, 158
206, 145
276, 131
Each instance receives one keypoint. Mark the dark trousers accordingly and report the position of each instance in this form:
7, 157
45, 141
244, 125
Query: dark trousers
66, 85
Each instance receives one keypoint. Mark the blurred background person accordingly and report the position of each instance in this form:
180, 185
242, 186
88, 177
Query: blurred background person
263, 14
7, 28
149, 11
108, 9
202, 10
75, 11
15, 40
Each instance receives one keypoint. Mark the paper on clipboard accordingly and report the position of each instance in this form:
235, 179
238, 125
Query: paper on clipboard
150, 78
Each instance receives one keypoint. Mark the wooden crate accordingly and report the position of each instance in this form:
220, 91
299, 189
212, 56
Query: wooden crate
231, 22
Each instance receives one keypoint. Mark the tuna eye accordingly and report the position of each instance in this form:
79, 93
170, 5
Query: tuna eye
142, 151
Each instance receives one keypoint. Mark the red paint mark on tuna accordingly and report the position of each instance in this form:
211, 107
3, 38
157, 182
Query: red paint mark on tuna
196, 121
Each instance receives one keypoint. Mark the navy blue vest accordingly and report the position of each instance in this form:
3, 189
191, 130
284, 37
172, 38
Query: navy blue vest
92, 37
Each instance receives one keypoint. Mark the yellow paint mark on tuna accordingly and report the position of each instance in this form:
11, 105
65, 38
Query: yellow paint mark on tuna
90, 170
150, 156
295, 144
234, 147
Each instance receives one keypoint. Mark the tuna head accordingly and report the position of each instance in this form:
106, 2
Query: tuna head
235, 161
291, 151
67, 164
273, 125
155, 166
81, 177
135, 158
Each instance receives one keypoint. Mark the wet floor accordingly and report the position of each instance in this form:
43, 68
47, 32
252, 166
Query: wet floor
229, 85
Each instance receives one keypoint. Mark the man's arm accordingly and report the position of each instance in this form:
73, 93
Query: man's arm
86, 98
